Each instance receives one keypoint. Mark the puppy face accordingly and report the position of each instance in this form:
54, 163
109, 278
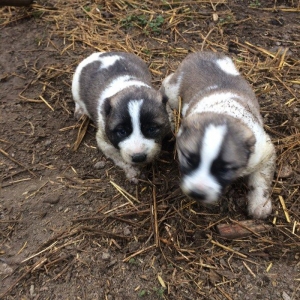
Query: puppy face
136, 123
213, 150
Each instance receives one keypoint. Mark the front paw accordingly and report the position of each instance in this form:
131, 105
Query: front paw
260, 209
132, 174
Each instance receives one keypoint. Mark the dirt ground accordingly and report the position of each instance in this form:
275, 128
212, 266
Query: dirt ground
71, 228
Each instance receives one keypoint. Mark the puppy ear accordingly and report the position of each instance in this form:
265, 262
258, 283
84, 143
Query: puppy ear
250, 142
107, 106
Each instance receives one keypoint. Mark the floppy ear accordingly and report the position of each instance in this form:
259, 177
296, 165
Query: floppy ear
250, 142
107, 107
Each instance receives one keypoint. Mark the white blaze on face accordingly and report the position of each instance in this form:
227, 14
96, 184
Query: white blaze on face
118, 84
136, 143
226, 65
201, 180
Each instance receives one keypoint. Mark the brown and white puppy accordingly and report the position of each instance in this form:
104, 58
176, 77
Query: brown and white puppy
114, 90
221, 136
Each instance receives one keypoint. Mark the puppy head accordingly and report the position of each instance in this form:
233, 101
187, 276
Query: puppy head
213, 150
136, 123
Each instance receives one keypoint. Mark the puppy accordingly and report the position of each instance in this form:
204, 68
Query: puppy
114, 90
221, 136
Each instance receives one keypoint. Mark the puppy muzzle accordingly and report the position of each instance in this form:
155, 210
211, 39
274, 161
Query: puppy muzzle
139, 158
197, 195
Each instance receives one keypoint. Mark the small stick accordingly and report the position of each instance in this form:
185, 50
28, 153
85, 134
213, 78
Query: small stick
241, 229
16, 282
125, 193
224, 293
204, 40
34, 255
22, 248
154, 213
46, 102
248, 268
286, 213
81, 132
228, 249
15, 161
269, 267
64, 269
138, 252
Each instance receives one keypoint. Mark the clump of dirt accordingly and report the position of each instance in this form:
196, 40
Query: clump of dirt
74, 228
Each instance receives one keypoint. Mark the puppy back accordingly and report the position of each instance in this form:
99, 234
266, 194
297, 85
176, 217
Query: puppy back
204, 73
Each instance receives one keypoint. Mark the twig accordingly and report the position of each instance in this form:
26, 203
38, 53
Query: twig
138, 252
286, 213
154, 214
34, 255
17, 162
227, 248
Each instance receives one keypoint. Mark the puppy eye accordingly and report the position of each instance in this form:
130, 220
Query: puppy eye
121, 132
228, 168
189, 161
192, 160
232, 168
152, 129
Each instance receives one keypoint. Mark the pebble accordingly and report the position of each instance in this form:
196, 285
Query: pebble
31, 188
47, 143
105, 256
126, 231
296, 86
100, 164
285, 296
285, 172
5, 269
52, 199
31, 290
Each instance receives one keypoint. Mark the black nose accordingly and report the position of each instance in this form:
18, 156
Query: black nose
197, 195
138, 158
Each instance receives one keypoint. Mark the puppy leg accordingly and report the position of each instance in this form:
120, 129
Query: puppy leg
259, 201
79, 111
170, 88
170, 116
109, 151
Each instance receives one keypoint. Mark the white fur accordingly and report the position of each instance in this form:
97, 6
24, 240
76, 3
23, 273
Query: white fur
110, 151
224, 103
212, 87
201, 179
80, 107
117, 85
121, 158
172, 91
136, 143
179, 133
261, 164
227, 66
108, 61
184, 109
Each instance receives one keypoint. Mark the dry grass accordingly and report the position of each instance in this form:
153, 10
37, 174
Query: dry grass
161, 218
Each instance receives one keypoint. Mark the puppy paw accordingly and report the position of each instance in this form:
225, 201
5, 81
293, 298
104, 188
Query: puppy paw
260, 210
78, 113
132, 174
